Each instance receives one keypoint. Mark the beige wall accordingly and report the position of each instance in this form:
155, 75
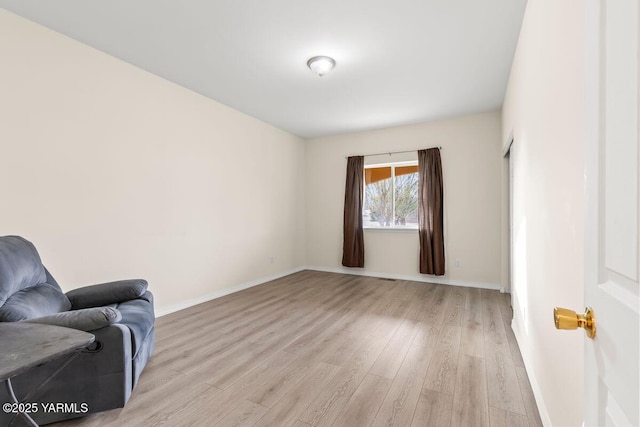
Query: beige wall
544, 109
471, 157
113, 173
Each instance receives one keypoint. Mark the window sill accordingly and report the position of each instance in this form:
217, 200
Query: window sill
391, 229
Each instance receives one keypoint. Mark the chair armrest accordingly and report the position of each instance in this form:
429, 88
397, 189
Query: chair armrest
88, 319
107, 293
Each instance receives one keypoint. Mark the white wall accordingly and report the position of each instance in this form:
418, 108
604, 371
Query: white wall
114, 173
544, 109
471, 158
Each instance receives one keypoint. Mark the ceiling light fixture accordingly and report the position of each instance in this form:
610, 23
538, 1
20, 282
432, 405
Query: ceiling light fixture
321, 65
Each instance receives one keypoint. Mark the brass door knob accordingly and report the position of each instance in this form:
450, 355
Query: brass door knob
569, 319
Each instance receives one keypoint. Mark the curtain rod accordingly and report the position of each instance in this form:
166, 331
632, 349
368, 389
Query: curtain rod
397, 152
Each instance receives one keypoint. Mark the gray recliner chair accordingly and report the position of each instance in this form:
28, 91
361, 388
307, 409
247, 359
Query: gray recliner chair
119, 314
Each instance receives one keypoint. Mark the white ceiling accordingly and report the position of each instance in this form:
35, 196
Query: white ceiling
398, 61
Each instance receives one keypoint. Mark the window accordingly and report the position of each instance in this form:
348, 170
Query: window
391, 196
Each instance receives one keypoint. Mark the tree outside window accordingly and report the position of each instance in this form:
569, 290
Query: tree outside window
391, 196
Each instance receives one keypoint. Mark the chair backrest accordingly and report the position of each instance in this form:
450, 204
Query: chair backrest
24, 291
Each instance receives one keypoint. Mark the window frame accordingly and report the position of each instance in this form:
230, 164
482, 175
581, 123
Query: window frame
392, 165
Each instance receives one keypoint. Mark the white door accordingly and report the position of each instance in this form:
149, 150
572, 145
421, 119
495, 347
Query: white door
611, 237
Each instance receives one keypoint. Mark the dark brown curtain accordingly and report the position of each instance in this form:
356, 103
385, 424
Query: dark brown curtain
430, 212
353, 244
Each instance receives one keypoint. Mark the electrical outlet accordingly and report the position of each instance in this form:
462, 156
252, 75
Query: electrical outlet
457, 264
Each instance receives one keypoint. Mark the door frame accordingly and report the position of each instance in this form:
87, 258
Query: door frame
593, 178
507, 209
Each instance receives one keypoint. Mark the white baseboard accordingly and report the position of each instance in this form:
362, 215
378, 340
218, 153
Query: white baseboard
222, 292
231, 289
415, 278
535, 387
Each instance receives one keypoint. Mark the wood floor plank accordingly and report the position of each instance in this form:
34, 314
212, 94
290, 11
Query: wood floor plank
185, 359
455, 306
134, 412
425, 293
327, 349
235, 300
245, 414
255, 319
362, 407
504, 302
369, 318
352, 320
502, 418
433, 409
286, 411
470, 405
428, 334
314, 335
222, 369
407, 289
441, 375
223, 403
516, 356
278, 386
415, 308
155, 379
345, 350
237, 363
269, 309
502, 381
392, 356
222, 309
230, 305
529, 400
434, 309
183, 406
285, 335
330, 401
401, 400
390, 319
504, 390
492, 320
472, 342
330, 341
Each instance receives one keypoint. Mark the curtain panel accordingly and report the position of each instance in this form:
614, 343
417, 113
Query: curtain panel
353, 241
430, 212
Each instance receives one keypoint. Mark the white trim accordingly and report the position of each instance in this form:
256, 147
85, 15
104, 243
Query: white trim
392, 229
535, 387
392, 164
415, 278
343, 270
225, 291
507, 146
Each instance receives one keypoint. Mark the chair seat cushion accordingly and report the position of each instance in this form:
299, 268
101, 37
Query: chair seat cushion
36, 301
139, 317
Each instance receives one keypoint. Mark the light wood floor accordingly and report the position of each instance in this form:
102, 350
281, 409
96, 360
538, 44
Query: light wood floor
323, 349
